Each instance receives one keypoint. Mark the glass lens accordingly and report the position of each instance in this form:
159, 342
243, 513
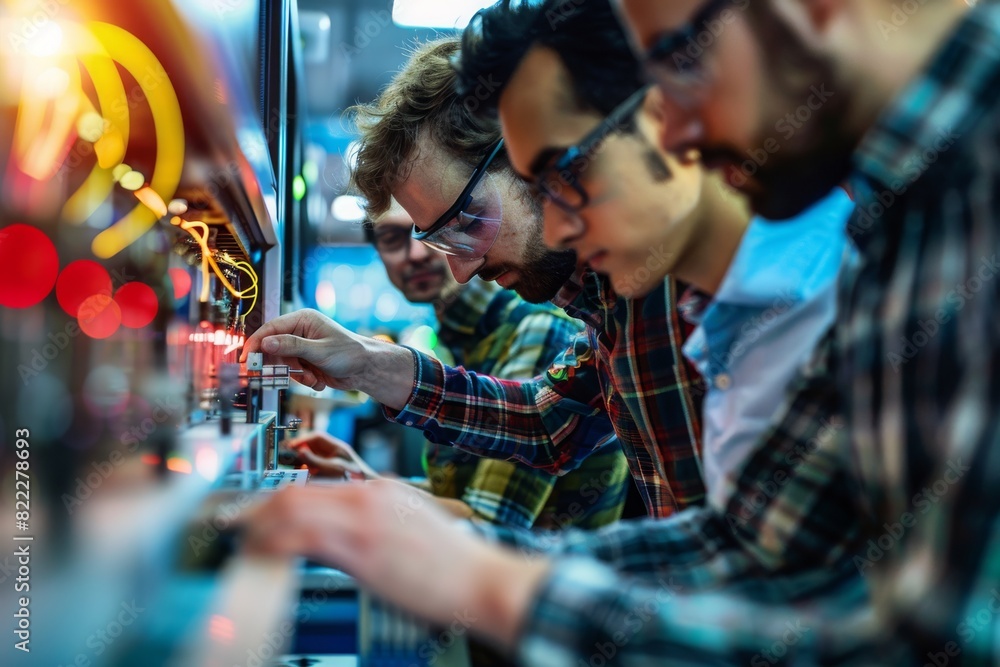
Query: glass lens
563, 186
391, 238
471, 233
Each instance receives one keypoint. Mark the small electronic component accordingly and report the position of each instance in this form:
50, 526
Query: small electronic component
255, 361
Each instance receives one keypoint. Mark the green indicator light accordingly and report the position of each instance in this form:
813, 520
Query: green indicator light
298, 188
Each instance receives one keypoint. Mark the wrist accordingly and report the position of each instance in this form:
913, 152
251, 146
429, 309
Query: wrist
389, 372
505, 593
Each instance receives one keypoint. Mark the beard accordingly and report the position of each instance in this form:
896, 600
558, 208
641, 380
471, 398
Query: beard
815, 148
544, 274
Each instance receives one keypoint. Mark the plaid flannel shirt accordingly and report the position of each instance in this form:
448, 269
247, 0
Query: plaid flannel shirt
909, 430
626, 367
493, 331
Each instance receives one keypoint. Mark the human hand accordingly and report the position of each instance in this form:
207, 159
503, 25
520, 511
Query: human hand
327, 455
405, 549
331, 356
327, 354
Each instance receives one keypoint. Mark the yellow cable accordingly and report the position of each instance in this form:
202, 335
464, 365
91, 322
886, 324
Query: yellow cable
253, 276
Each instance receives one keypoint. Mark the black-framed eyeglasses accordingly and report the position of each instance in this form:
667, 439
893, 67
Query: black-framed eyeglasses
560, 181
470, 226
669, 60
390, 239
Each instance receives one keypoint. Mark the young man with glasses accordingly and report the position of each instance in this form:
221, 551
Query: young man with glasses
489, 330
421, 143
765, 291
577, 611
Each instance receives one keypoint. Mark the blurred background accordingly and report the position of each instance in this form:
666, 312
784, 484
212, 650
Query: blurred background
175, 173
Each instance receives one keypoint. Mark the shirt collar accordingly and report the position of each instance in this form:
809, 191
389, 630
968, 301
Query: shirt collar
466, 307
787, 262
948, 97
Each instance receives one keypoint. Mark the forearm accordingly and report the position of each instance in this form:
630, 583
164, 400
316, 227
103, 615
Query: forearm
504, 588
582, 609
522, 420
693, 548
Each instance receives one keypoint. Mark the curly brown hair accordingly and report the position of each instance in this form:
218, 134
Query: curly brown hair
421, 98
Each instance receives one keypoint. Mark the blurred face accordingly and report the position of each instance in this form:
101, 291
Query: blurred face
638, 219
745, 89
517, 259
420, 273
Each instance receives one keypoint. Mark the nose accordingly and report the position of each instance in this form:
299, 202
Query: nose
464, 269
678, 124
560, 228
418, 251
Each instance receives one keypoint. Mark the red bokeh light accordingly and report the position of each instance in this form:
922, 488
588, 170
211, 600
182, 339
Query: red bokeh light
100, 316
79, 281
181, 280
138, 304
28, 266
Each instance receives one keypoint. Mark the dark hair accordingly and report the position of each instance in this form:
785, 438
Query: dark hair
421, 98
585, 33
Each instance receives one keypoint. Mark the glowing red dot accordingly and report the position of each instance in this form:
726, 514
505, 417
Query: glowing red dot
79, 281
28, 266
138, 304
182, 282
100, 316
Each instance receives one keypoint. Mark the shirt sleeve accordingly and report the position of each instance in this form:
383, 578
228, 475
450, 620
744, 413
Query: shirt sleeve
720, 585
586, 613
793, 503
551, 422
500, 491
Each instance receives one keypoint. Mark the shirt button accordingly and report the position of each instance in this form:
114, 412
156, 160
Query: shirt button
409, 423
723, 381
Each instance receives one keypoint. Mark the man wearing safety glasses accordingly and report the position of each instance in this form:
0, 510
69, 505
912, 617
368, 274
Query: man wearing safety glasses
611, 193
421, 143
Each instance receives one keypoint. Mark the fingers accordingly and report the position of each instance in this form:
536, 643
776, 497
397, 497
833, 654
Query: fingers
288, 346
283, 324
324, 444
334, 465
309, 377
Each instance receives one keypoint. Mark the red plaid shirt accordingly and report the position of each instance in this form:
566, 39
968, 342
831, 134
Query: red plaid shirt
625, 376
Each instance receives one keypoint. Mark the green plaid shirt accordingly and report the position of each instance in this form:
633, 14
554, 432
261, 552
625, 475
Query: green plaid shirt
891, 437
492, 331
